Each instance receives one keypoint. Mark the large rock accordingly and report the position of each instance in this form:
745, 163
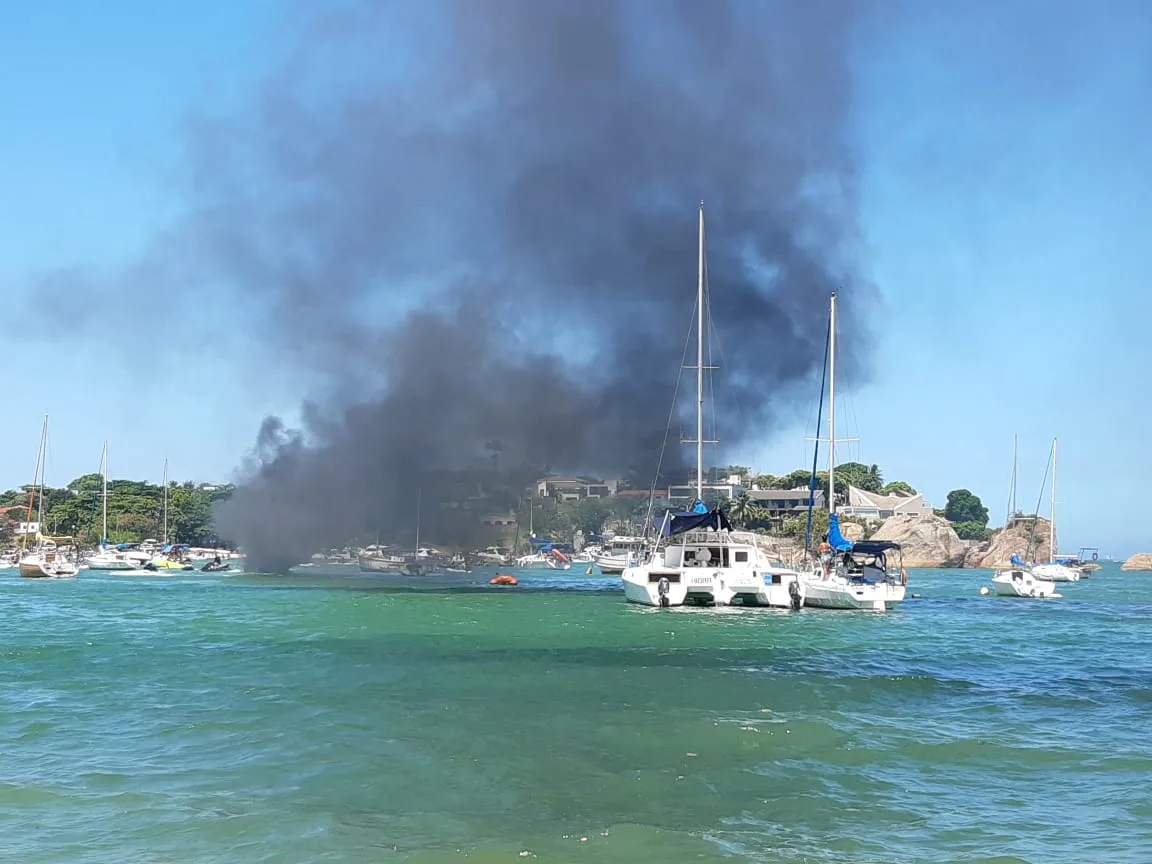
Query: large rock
1139, 561
925, 542
1026, 537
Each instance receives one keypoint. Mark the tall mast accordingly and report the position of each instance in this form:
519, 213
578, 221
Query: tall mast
418, 520
1052, 507
43, 469
104, 470
164, 537
700, 366
832, 407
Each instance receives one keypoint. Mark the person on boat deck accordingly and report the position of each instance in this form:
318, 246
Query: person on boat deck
825, 555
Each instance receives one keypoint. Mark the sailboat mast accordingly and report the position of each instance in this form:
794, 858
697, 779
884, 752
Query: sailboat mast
700, 366
104, 471
1052, 507
1012, 493
43, 469
832, 407
418, 521
164, 537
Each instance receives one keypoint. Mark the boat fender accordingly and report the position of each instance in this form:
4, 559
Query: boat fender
794, 595
1031, 592
662, 589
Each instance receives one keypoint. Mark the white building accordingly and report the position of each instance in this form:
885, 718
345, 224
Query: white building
877, 507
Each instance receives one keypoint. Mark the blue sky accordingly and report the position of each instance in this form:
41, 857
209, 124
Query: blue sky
1005, 183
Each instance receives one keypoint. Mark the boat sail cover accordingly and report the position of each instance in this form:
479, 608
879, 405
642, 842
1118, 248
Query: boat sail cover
711, 519
860, 547
835, 539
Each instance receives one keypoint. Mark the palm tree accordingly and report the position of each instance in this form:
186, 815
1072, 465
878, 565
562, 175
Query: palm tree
875, 478
739, 507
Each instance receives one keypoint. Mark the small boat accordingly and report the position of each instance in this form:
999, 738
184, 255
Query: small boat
504, 579
1021, 581
47, 563
216, 566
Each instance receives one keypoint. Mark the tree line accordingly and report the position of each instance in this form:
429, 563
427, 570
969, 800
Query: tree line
135, 511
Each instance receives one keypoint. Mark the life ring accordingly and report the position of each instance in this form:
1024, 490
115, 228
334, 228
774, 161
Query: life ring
1095, 555
503, 579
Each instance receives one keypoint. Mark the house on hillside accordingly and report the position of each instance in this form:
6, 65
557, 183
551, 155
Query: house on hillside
876, 507
779, 504
686, 495
571, 488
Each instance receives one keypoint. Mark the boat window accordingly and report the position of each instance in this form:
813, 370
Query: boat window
742, 557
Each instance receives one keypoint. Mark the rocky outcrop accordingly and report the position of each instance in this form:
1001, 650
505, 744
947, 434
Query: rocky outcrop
1139, 561
1027, 538
925, 542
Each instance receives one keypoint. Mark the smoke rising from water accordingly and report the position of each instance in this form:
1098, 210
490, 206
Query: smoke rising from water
475, 222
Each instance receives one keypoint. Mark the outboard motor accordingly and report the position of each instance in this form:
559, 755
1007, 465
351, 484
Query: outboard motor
794, 595
662, 589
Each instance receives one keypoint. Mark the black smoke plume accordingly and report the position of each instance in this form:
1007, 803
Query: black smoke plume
472, 224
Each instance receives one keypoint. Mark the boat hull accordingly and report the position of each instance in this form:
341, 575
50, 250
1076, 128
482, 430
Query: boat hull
851, 594
38, 569
1021, 583
719, 588
1055, 573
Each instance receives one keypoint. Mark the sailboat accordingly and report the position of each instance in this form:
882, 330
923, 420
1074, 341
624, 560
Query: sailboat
169, 557
856, 576
46, 561
1019, 579
111, 558
1054, 570
699, 559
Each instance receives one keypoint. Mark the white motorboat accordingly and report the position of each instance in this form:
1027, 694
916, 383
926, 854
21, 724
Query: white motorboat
1021, 581
548, 558
618, 553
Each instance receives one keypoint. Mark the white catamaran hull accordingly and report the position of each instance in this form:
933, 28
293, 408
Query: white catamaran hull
1021, 583
716, 588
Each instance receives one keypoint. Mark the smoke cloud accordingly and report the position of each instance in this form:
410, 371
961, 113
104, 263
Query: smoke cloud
472, 226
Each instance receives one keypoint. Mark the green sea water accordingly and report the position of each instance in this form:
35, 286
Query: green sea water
326, 718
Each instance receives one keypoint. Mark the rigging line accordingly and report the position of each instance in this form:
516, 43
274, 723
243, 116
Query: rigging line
719, 344
1039, 501
668, 425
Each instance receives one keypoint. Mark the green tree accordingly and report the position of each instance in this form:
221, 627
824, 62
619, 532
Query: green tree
897, 487
865, 477
971, 531
963, 506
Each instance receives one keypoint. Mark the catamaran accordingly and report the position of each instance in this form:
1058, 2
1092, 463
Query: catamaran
698, 558
854, 575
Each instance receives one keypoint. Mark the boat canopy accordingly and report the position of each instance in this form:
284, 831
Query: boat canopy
681, 522
874, 547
